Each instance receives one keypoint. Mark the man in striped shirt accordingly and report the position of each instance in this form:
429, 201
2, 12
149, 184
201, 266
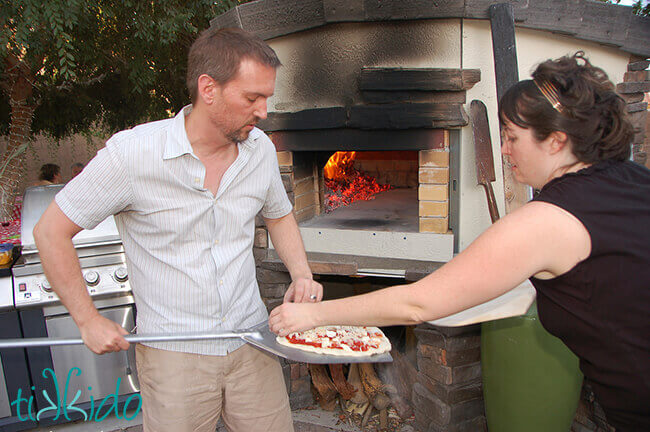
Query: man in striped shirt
185, 193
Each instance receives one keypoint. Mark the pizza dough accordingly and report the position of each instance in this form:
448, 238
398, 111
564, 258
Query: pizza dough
339, 340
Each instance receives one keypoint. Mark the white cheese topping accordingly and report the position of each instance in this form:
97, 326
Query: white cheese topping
340, 340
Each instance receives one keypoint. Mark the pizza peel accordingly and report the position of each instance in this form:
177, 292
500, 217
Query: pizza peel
259, 336
483, 149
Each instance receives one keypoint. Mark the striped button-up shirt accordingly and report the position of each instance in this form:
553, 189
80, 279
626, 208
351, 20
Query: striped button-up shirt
188, 252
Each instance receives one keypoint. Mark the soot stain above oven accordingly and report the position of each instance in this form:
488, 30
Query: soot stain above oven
324, 71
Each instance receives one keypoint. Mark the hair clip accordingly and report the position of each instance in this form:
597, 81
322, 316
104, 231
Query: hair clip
550, 93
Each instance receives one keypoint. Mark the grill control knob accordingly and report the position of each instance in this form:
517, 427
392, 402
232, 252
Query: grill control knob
46, 286
92, 278
121, 275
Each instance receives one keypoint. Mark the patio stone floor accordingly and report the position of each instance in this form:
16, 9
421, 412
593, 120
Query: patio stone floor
306, 420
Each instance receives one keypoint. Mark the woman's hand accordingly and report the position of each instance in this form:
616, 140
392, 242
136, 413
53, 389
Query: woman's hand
293, 317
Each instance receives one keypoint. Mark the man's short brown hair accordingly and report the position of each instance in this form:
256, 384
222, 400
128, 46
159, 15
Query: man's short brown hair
219, 53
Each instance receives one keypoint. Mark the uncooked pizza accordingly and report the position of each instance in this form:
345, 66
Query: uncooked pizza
339, 340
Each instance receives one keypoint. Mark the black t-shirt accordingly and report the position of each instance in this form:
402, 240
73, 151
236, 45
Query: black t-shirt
601, 307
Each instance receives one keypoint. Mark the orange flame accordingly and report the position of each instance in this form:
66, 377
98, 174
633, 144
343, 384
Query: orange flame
338, 164
345, 184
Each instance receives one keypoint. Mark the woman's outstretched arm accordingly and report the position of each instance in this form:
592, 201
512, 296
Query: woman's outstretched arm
537, 239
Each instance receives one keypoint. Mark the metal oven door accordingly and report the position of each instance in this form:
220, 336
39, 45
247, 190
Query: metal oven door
97, 375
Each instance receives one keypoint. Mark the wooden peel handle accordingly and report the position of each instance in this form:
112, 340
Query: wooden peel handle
492, 202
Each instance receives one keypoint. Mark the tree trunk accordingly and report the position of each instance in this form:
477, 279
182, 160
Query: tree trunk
12, 165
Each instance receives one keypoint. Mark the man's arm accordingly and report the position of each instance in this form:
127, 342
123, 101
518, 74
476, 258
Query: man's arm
53, 235
286, 239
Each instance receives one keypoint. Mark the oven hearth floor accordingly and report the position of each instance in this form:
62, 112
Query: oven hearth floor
387, 227
392, 210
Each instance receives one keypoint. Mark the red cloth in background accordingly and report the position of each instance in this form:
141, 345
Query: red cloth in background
18, 208
11, 232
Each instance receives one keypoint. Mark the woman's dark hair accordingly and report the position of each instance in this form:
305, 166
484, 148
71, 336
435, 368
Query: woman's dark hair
48, 171
593, 116
219, 53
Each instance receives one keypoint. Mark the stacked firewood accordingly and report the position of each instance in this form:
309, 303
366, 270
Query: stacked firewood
363, 396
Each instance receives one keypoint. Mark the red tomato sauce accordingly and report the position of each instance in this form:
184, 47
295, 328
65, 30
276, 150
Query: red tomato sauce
356, 345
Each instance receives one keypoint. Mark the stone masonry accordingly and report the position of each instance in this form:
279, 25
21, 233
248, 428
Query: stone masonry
448, 394
636, 82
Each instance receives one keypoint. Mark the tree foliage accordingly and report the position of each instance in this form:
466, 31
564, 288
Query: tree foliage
640, 7
108, 62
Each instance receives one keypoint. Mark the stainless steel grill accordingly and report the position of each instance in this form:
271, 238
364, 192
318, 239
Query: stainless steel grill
100, 252
104, 269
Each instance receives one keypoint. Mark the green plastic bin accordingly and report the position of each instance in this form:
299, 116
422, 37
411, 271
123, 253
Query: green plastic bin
531, 380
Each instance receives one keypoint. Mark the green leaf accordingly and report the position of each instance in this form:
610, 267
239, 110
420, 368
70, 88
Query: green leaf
110, 62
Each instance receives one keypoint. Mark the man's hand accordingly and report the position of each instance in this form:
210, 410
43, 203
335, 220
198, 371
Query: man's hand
292, 317
102, 335
303, 290
286, 239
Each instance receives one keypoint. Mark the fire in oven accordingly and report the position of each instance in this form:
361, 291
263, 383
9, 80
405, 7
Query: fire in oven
393, 205
110, 377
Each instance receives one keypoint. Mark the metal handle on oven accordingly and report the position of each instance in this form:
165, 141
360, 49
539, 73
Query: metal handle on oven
152, 337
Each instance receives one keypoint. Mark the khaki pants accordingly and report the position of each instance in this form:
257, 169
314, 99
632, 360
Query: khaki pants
188, 392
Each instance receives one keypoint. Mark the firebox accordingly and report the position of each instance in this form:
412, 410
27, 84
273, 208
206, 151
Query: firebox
386, 197
391, 204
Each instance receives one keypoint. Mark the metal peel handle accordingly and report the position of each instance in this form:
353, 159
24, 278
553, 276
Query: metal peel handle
155, 337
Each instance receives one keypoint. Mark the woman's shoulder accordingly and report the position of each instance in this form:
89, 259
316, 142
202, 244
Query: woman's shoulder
604, 177
611, 199
630, 171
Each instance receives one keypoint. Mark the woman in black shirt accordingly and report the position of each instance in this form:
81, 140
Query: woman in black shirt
584, 240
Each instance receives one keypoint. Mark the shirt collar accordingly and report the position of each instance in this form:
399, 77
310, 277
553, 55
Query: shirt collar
251, 141
179, 144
